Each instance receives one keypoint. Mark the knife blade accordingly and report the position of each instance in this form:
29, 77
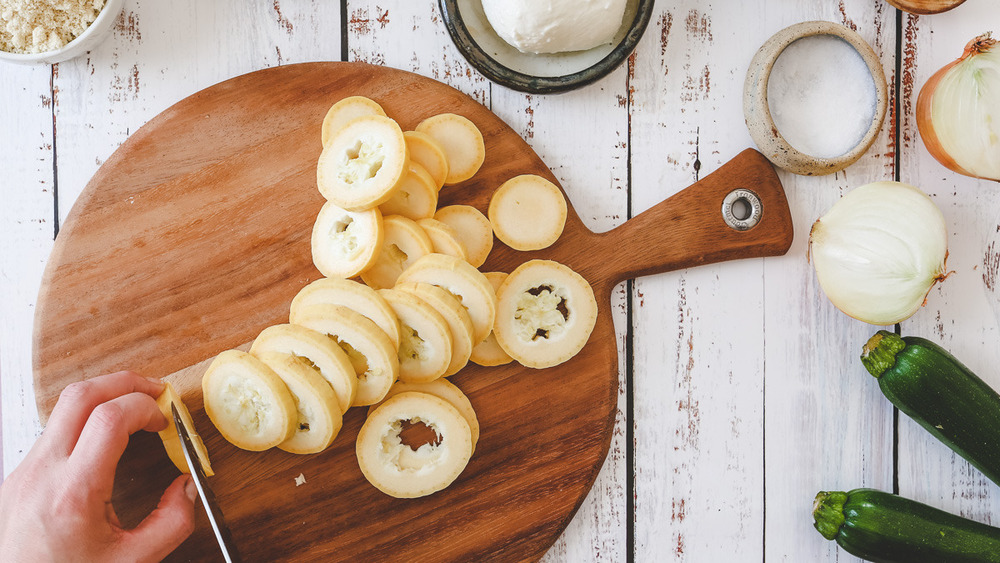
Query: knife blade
222, 533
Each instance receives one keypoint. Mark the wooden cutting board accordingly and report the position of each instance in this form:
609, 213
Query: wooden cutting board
194, 236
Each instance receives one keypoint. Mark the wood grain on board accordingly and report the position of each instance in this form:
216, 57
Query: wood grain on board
194, 236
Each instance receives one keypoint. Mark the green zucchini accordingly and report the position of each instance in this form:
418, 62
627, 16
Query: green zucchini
933, 388
888, 528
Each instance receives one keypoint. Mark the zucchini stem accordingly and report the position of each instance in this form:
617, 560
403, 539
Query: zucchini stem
828, 513
879, 353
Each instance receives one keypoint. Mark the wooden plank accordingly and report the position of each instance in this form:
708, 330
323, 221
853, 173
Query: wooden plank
698, 335
26, 229
410, 36
728, 430
826, 425
958, 314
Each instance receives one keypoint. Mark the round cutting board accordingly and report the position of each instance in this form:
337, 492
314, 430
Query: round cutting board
195, 235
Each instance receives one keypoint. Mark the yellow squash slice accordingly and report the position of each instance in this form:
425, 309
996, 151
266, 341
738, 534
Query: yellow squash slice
428, 152
444, 239
488, 352
345, 243
442, 389
363, 163
545, 313
425, 339
528, 212
172, 441
462, 143
370, 350
399, 470
328, 359
416, 197
247, 402
473, 229
451, 310
463, 281
345, 111
353, 295
318, 416
404, 243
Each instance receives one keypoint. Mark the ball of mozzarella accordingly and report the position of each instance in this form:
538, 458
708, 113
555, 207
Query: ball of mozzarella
555, 26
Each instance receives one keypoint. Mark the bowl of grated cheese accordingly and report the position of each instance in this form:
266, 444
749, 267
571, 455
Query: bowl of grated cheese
52, 31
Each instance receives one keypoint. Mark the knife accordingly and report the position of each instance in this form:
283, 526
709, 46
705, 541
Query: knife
222, 533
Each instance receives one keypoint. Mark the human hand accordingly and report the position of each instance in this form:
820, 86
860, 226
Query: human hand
56, 505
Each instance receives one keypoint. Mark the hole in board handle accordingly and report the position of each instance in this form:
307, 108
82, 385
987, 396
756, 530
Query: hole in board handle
741, 209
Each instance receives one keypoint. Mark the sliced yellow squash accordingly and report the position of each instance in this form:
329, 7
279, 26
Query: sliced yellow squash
172, 441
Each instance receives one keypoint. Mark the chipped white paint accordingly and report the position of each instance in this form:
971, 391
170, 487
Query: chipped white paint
958, 314
748, 395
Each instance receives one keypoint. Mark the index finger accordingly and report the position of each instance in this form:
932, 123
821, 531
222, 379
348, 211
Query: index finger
79, 399
105, 436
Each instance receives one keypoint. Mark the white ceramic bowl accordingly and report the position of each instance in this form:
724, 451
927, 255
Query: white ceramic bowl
86, 41
476, 40
758, 114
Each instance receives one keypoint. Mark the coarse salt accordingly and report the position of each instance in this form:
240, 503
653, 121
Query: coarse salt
38, 26
821, 95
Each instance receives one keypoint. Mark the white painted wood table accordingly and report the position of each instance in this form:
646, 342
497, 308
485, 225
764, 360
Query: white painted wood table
741, 391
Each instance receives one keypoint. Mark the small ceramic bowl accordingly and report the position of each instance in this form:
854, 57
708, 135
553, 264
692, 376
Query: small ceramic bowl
545, 73
86, 41
758, 114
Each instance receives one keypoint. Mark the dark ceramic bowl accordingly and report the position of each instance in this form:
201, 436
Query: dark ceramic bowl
538, 74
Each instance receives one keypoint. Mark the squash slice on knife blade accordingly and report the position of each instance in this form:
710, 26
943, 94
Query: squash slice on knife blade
172, 441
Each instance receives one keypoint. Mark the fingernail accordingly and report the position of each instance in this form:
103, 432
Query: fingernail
190, 490
156, 380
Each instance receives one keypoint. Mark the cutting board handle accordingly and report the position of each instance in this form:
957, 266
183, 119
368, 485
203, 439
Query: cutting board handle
690, 229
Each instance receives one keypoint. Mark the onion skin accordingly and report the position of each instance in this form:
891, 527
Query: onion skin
925, 123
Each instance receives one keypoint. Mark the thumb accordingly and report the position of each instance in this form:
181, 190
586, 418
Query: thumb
167, 526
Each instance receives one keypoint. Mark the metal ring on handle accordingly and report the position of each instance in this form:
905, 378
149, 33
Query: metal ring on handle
753, 204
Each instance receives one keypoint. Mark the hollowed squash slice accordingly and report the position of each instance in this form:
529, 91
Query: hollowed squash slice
318, 416
463, 281
545, 313
452, 311
363, 163
442, 389
351, 294
416, 196
345, 243
247, 402
403, 244
369, 349
425, 339
400, 471
328, 359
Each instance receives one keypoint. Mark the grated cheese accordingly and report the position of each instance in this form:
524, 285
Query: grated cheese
37, 26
